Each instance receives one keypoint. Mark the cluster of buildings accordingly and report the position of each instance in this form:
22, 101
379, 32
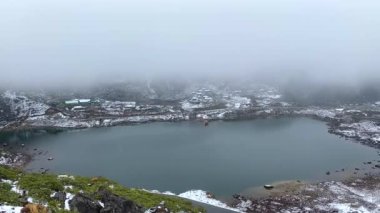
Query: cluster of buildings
201, 96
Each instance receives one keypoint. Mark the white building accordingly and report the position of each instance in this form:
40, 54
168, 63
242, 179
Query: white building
78, 101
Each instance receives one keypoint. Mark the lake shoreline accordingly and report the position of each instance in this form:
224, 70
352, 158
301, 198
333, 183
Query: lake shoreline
351, 194
239, 199
336, 125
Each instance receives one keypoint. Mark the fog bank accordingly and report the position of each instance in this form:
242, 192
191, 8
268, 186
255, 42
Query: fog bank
49, 43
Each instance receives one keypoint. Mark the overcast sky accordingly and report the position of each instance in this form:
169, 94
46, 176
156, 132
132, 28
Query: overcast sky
53, 42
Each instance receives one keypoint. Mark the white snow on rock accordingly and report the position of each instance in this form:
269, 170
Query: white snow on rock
10, 160
22, 106
69, 197
347, 199
237, 102
348, 133
15, 188
321, 113
364, 126
158, 192
243, 206
4, 160
61, 121
186, 105
65, 176
346, 208
201, 196
10, 209
117, 107
365, 130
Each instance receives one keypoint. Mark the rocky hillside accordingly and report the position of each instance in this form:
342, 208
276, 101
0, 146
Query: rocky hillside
63, 193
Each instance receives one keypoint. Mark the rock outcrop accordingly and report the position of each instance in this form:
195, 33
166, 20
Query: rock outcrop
116, 204
84, 204
109, 203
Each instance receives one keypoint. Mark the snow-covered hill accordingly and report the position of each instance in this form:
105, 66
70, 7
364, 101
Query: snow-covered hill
21, 106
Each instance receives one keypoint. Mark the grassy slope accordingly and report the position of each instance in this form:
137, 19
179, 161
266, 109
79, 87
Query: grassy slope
41, 186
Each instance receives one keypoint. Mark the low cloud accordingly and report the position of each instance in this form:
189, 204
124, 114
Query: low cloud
47, 43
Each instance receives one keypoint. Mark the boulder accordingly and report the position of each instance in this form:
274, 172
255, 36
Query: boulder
84, 204
116, 204
268, 187
61, 197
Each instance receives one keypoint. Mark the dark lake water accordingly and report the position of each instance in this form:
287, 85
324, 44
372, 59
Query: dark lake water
224, 158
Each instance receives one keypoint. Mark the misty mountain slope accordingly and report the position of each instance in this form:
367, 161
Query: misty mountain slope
19, 106
6, 113
330, 95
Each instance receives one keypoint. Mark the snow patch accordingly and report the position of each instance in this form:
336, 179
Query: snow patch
322, 113
22, 106
10, 209
201, 196
69, 197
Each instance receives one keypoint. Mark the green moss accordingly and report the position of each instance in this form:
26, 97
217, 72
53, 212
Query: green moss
8, 173
7, 195
147, 199
41, 186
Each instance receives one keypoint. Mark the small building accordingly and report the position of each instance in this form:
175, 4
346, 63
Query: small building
78, 108
130, 104
74, 102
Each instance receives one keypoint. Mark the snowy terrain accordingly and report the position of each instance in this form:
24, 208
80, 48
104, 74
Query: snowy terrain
320, 113
360, 195
11, 159
202, 197
23, 106
367, 131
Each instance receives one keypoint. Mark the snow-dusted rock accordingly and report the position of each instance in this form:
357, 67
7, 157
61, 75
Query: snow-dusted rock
321, 113
22, 106
10, 209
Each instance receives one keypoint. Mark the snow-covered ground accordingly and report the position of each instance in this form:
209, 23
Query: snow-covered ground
10, 209
187, 106
361, 196
202, 197
10, 159
363, 130
198, 196
348, 199
117, 107
212, 114
320, 113
61, 121
266, 96
237, 102
23, 106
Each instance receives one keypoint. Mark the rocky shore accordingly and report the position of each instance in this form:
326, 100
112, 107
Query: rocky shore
350, 195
